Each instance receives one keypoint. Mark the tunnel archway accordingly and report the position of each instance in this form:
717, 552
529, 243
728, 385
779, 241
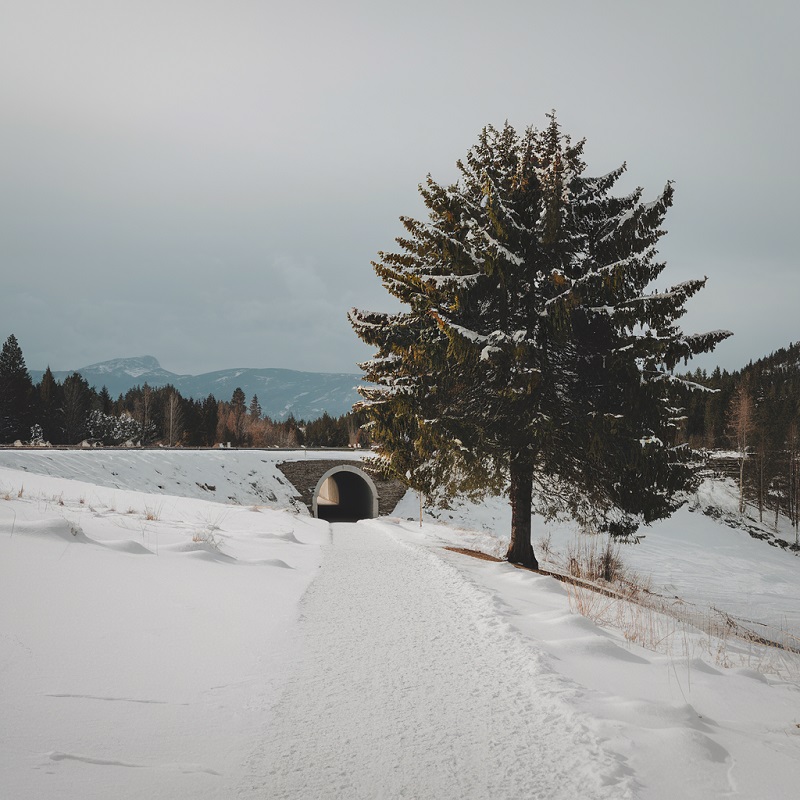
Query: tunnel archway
345, 494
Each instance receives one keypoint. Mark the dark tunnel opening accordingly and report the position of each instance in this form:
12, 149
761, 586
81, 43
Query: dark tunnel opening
345, 497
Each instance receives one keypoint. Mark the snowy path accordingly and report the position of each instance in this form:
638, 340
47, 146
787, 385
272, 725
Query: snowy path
410, 685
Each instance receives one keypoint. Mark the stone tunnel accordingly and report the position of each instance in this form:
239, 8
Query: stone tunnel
341, 491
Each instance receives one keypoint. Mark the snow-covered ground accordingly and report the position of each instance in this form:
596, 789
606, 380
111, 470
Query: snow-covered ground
692, 558
241, 477
156, 643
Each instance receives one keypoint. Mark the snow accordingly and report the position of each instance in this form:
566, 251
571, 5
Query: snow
138, 659
690, 556
428, 695
155, 642
228, 476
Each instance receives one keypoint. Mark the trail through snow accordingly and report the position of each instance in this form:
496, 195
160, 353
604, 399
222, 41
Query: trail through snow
409, 684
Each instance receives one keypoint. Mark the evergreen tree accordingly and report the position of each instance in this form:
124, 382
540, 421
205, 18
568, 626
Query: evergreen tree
76, 404
106, 404
192, 410
209, 416
111, 430
255, 409
238, 417
531, 354
49, 405
16, 393
326, 431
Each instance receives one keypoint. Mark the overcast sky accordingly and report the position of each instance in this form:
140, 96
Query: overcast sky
207, 182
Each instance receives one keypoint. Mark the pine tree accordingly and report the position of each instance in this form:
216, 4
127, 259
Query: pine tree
209, 416
238, 417
532, 355
16, 393
49, 407
76, 399
106, 404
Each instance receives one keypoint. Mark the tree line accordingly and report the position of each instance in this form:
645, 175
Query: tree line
71, 412
755, 412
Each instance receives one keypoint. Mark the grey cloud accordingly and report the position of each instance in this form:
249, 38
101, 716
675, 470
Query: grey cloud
208, 182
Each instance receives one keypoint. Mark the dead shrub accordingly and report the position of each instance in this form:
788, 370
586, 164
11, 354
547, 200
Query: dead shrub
594, 559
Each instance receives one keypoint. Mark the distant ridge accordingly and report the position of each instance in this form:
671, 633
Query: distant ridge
281, 392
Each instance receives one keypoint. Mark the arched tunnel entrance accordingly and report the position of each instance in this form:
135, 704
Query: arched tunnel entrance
345, 494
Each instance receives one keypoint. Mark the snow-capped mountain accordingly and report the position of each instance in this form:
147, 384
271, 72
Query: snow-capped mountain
135, 367
280, 392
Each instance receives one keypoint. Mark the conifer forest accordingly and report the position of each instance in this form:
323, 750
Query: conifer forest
71, 412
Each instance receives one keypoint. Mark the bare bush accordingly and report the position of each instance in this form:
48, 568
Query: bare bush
594, 559
207, 536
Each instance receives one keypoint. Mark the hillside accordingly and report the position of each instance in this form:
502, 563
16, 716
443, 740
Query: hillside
755, 411
281, 392
772, 381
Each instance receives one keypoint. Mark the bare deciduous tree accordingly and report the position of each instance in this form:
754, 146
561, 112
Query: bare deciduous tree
793, 447
740, 426
144, 412
173, 418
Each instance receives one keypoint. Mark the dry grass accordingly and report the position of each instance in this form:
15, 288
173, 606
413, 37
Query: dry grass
670, 626
152, 513
637, 621
545, 547
20, 492
207, 536
601, 588
594, 560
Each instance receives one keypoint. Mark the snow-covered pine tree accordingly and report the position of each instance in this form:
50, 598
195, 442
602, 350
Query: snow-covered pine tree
112, 430
533, 354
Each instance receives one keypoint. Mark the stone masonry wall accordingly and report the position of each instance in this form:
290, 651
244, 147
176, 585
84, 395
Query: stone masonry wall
304, 476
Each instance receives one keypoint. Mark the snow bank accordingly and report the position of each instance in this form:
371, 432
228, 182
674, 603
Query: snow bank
241, 477
143, 639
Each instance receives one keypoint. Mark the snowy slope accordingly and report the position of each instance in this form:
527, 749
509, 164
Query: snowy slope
242, 477
158, 645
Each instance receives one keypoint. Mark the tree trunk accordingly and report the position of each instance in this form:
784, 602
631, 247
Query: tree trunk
741, 484
520, 550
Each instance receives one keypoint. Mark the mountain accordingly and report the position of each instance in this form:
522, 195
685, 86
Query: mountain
306, 395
